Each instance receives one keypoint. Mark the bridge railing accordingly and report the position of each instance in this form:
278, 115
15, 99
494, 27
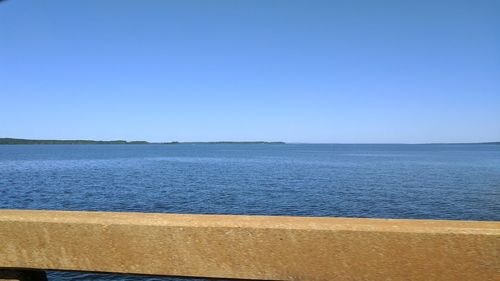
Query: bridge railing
247, 247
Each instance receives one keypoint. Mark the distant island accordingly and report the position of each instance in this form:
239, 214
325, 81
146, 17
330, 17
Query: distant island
30, 141
225, 142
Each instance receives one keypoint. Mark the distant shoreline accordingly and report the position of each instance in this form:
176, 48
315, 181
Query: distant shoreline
16, 141
221, 142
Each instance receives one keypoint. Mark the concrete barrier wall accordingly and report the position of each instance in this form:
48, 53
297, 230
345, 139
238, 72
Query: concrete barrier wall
250, 247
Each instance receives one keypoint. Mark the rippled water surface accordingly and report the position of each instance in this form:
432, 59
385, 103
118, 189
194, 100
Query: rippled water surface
385, 181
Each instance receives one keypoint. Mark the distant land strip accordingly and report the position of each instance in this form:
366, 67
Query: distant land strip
224, 142
29, 141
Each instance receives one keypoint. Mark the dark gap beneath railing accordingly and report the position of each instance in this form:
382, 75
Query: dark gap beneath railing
96, 276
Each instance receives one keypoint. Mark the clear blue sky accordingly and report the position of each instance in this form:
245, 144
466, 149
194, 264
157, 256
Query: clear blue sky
297, 71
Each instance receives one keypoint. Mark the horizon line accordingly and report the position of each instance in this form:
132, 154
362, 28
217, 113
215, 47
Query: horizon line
249, 141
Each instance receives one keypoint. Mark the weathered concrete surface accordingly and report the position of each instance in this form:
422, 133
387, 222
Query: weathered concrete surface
251, 247
18, 275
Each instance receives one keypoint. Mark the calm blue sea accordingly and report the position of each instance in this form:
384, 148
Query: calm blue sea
460, 182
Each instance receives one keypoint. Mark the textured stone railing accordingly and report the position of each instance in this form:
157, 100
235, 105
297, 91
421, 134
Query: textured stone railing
249, 247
